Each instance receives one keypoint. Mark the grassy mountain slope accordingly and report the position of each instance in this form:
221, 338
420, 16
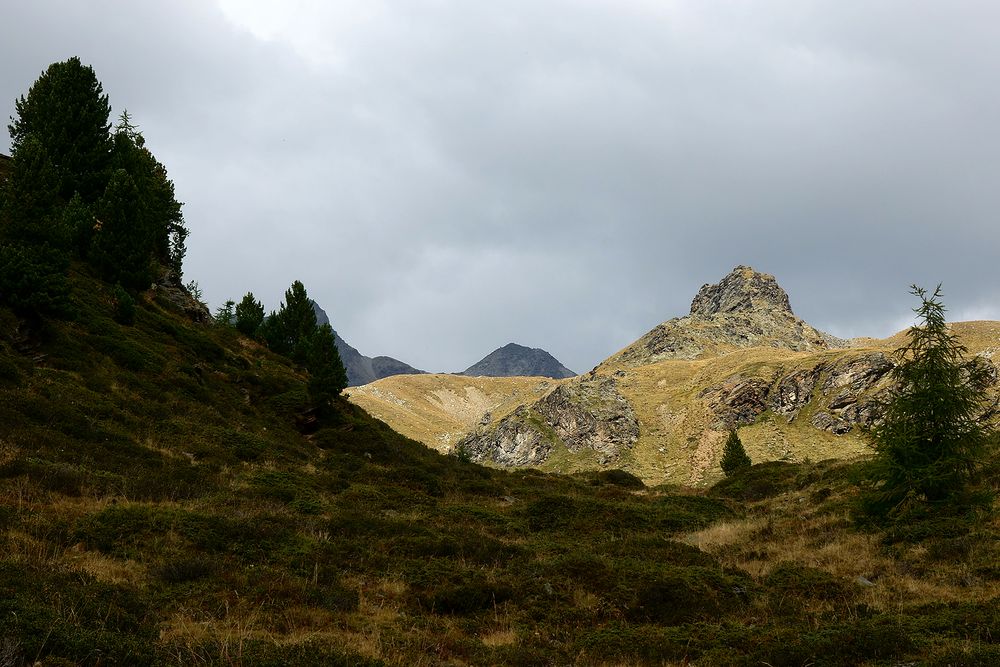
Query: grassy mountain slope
165, 502
439, 409
680, 434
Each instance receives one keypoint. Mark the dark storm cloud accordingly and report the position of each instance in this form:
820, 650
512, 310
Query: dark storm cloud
447, 177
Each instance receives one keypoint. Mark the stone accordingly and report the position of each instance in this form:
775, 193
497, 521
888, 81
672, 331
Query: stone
589, 414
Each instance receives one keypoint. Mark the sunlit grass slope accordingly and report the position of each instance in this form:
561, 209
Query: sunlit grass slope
439, 409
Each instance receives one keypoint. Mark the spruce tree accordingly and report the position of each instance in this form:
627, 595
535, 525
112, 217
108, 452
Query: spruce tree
121, 247
327, 375
249, 315
734, 457
67, 111
936, 423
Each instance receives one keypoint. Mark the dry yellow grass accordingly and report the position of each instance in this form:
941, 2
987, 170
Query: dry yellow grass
779, 530
438, 410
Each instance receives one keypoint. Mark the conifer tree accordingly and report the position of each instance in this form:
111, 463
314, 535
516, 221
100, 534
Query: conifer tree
160, 215
33, 260
287, 331
935, 425
225, 315
249, 315
327, 375
67, 111
32, 197
120, 249
734, 457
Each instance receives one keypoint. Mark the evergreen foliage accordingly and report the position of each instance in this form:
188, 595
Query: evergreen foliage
78, 223
120, 250
292, 332
734, 457
124, 306
225, 315
249, 315
327, 375
73, 187
159, 218
287, 332
67, 111
30, 198
936, 424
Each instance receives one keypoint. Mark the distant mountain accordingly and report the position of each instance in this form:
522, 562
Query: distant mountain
361, 369
516, 360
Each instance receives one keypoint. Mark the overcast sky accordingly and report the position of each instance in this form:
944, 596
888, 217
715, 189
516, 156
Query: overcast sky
447, 176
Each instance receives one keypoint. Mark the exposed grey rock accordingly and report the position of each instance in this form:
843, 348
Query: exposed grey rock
743, 290
855, 379
361, 369
858, 373
517, 360
738, 401
794, 391
826, 422
589, 414
169, 286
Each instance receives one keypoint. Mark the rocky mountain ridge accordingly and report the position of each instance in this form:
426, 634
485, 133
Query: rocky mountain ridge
513, 360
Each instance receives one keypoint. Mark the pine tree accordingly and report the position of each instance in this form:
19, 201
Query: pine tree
32, 197
287, 331
33, 279
734, 457
120, 249
159, 215
935, 425
327, 376
67, 111
249, 315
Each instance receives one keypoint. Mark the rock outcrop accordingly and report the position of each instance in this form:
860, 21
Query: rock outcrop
842, 392
744, 309
589, 414
513, 360
361, 369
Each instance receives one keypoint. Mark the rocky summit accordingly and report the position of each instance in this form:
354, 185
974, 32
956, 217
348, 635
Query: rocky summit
744, 309
513, 360
743, 290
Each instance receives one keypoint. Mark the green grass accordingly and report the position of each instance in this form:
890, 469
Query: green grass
160, 506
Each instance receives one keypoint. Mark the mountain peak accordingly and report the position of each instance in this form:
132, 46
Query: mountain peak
517, 360
743, 290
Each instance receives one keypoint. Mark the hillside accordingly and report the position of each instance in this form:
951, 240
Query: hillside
439, 410
662, 407
513, 360
166, 502
361, 369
